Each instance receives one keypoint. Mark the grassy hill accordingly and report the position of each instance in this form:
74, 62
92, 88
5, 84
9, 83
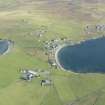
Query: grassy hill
20, 20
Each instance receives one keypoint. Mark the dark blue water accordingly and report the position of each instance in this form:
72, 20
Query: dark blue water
87, 57
3, 46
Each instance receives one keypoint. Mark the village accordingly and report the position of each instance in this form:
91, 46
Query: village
50, 48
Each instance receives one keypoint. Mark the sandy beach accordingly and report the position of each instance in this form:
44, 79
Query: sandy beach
56, 56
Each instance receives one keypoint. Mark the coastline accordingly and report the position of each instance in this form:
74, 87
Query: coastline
60, 47
8, 49
56, 56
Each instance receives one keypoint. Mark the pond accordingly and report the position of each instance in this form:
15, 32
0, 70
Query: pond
86, 57
4, 46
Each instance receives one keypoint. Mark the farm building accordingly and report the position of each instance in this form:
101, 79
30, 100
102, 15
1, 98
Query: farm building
29, 75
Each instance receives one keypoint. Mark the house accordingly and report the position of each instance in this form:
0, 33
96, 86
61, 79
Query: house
29, 74
52, 63
46, 82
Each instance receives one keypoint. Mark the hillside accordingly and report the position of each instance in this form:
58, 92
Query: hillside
21, 21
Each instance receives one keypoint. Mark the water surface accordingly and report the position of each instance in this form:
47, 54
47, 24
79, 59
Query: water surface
4, 45
89, 56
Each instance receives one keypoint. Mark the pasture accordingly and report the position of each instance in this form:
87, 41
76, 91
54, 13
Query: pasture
21, 21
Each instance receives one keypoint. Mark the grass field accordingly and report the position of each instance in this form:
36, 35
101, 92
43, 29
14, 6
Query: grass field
19, 22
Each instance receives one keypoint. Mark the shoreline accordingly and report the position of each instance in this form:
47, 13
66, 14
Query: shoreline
9, 48
56, 56
57, 61
57, 51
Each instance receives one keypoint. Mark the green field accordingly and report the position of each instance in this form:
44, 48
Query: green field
19, 22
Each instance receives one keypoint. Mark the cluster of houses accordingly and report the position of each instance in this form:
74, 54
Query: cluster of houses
100, 27
55, 43
28, 75
51, 47
95, 28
